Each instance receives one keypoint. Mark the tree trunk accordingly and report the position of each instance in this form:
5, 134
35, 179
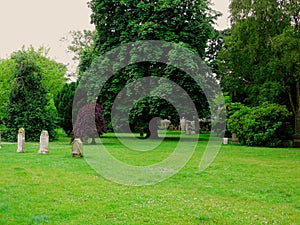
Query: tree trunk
297, 122
152, 134
296, 139
297, 113
93, 141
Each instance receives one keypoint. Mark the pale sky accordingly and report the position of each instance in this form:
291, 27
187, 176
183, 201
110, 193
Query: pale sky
44, 22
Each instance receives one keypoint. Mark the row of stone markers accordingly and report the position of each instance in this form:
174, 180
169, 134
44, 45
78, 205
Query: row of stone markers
77, 146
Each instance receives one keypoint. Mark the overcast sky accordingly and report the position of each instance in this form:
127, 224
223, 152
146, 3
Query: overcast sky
44, 22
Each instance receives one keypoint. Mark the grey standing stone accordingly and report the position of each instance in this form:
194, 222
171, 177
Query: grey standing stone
234, 139
44, 142
77, 148
188, 127
21, 140
193, 126
182, 123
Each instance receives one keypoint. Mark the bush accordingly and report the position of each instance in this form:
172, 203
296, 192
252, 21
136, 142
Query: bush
266, 125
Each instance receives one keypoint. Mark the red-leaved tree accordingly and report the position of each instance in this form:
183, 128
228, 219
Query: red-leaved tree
90, 123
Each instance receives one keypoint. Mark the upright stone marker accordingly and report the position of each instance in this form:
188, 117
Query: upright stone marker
187, 127
44, 142
234, 139
21, 140
77, 148
193, 125
182, 123
225, 140
164, 124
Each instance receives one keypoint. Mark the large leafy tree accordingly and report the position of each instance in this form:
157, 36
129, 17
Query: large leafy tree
52, 74
28, 105
188, 23
287, 61
261, 57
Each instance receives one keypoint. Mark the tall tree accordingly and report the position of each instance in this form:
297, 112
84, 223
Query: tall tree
188, 23
28, 105
52, 74
287, 61
260, 58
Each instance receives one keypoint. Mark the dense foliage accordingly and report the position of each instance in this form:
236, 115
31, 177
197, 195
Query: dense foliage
265, 125
52, 74
118, 22
260, 59
29, 105
64, 105
6, 70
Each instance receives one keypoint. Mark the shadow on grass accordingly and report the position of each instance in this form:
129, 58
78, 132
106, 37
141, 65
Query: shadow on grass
171, 138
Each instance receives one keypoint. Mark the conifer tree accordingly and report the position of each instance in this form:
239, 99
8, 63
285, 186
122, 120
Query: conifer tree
28, 105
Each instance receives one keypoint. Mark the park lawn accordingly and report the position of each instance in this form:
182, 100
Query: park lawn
244, 185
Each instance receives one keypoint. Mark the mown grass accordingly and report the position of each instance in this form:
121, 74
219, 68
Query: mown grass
243, 186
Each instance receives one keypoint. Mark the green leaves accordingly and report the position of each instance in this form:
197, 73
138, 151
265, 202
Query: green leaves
64, 103
30, 61
124, 21
267, 125
260, 60
28, 105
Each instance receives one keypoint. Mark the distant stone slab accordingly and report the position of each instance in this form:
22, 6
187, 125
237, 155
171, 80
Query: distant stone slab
164, 124
77, 148
234, 139
44, 142
21, 140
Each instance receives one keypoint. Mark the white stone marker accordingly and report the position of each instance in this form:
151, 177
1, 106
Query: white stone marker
21, 140
225, 141
44, 142
193, 125
164, 124
188, 127
77, 148
182, 123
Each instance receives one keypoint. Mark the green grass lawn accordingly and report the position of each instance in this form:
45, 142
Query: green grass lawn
242, 186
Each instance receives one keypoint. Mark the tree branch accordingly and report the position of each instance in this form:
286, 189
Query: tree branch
298, 95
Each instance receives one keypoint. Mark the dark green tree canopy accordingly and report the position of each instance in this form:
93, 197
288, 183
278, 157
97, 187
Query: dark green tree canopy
63, 103
188, 23
177, 21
